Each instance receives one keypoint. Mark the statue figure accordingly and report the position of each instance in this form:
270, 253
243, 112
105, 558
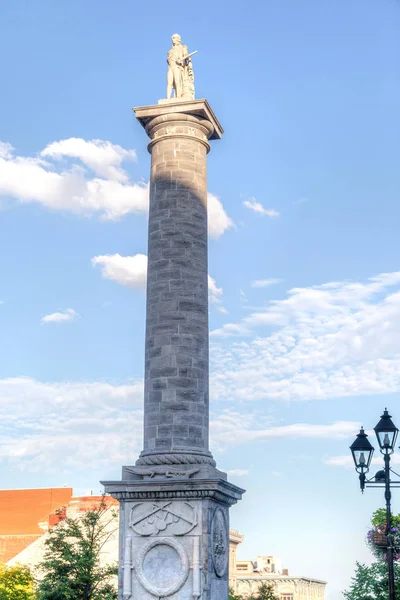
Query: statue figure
180, 75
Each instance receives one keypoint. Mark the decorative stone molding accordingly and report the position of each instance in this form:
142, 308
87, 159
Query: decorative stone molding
220, 542
173, 458
196, 566
127, 495
168, 472
180, 126
127, 578
162, 567
200, 108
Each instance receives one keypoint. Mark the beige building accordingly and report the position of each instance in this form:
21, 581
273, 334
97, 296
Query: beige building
246, 576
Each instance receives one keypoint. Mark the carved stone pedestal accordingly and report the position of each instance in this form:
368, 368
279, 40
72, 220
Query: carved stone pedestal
174, 538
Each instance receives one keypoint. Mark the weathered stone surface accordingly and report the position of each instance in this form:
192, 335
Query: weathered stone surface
176, 353
174, 502
174, 536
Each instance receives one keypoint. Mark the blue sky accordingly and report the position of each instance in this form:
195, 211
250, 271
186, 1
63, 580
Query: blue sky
303, 253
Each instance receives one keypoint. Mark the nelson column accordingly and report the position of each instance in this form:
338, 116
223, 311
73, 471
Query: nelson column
174, 502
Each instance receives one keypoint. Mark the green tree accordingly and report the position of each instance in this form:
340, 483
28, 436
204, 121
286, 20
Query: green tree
379, 518
266, 592
370, 582
16, 583
71, 568
233, 596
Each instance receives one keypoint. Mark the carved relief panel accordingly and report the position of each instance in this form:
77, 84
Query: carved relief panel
162, 566
175, 518
162, 550
220, 542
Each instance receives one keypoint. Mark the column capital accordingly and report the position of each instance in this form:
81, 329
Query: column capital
196, 108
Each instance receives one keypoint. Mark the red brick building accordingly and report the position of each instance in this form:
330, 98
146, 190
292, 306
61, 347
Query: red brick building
25, 515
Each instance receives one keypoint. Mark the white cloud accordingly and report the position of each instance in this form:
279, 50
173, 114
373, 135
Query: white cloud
262, 283
229, 330
130, 271
102, 157
243, 297
215, 295
214, 292
5, 150
237, 472
63, 185
347, 461
257, 207
60, 317
218, 219
331, 340
231, 426
67, 427
63, 427
340, 461
36, 180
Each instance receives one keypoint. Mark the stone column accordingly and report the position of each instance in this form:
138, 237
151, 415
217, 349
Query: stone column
176, 367
174, 526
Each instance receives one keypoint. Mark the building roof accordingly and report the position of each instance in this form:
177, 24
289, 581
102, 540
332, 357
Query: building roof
277, 577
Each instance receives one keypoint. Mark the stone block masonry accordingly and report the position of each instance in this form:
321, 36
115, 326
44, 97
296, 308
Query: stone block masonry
176, 402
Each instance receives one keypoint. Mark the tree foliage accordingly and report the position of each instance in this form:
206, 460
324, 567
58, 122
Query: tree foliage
370, 582
233, 596
264, 592
379, 518
71, 568
16, 583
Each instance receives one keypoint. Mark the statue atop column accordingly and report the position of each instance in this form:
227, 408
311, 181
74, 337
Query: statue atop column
180, 75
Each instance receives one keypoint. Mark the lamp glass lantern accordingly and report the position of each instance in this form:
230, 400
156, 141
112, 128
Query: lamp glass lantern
386, 432
362, 451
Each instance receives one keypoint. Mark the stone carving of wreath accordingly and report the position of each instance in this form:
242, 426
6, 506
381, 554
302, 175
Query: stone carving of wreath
219, 542
162, 567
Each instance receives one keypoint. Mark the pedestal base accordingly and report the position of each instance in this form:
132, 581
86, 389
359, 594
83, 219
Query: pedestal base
174, 538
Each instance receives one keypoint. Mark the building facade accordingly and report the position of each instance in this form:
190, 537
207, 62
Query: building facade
246, 576
27, 515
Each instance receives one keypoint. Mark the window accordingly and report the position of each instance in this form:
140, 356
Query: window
286, 596
241, 567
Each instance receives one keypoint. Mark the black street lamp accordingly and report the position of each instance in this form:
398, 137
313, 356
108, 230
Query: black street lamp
386, 432
362, 451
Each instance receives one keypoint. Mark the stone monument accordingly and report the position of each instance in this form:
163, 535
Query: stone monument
174, 521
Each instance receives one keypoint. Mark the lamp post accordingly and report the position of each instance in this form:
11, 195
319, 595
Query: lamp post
362, 451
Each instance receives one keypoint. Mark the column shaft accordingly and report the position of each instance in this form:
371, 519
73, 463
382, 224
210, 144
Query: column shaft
176, 403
